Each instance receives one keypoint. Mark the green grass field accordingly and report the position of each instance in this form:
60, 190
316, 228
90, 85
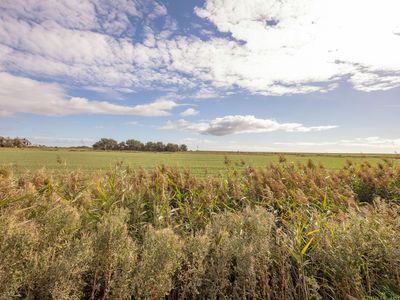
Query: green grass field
23, 160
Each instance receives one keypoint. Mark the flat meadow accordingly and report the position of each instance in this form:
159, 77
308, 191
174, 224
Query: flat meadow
113, 225
199, 163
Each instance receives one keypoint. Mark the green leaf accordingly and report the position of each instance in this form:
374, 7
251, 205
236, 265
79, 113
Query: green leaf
305, 248
312, 232
325, 202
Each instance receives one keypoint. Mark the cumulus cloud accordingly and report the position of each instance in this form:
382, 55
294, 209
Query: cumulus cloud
241, 124
112, 17
206, 93
189, 112
19, 94
291, 45
272, 47
93, 43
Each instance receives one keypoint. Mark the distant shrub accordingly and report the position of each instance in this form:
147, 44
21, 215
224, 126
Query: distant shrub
8, 142
134, 145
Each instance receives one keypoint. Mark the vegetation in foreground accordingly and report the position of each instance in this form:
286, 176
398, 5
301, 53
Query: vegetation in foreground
282, 232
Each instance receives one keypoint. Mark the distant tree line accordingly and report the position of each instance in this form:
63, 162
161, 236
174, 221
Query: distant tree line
135, 145
14, 142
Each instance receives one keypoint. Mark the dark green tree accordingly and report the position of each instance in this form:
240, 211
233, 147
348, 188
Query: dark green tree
106, 144
134, 145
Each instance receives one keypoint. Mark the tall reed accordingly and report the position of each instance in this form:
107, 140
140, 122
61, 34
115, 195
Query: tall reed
282, 232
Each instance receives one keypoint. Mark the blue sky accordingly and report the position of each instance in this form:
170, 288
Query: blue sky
260, 75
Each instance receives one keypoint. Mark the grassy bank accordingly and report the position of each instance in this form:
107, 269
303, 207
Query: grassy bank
281, 232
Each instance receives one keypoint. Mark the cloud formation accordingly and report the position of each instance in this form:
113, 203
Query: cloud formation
57, 141
189, 112
95, 42
291, 45
367, 142
267, 47
241, 124
24, 95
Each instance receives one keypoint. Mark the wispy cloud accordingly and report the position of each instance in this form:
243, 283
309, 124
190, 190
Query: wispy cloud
291, 45
189, 112
367, 142
64, 141
24, 95
206, 93
241, 124
272, 47
132, 123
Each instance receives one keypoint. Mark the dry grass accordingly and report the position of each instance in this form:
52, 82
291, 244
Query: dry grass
282, 232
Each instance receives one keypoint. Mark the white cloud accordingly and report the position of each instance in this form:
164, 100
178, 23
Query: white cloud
60, 142
89, 43
196, 140
273, 47
189, 112
241, 124
132, 123
374, 82
367, 142
290, 45
111, 17
19, 94
206, 93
